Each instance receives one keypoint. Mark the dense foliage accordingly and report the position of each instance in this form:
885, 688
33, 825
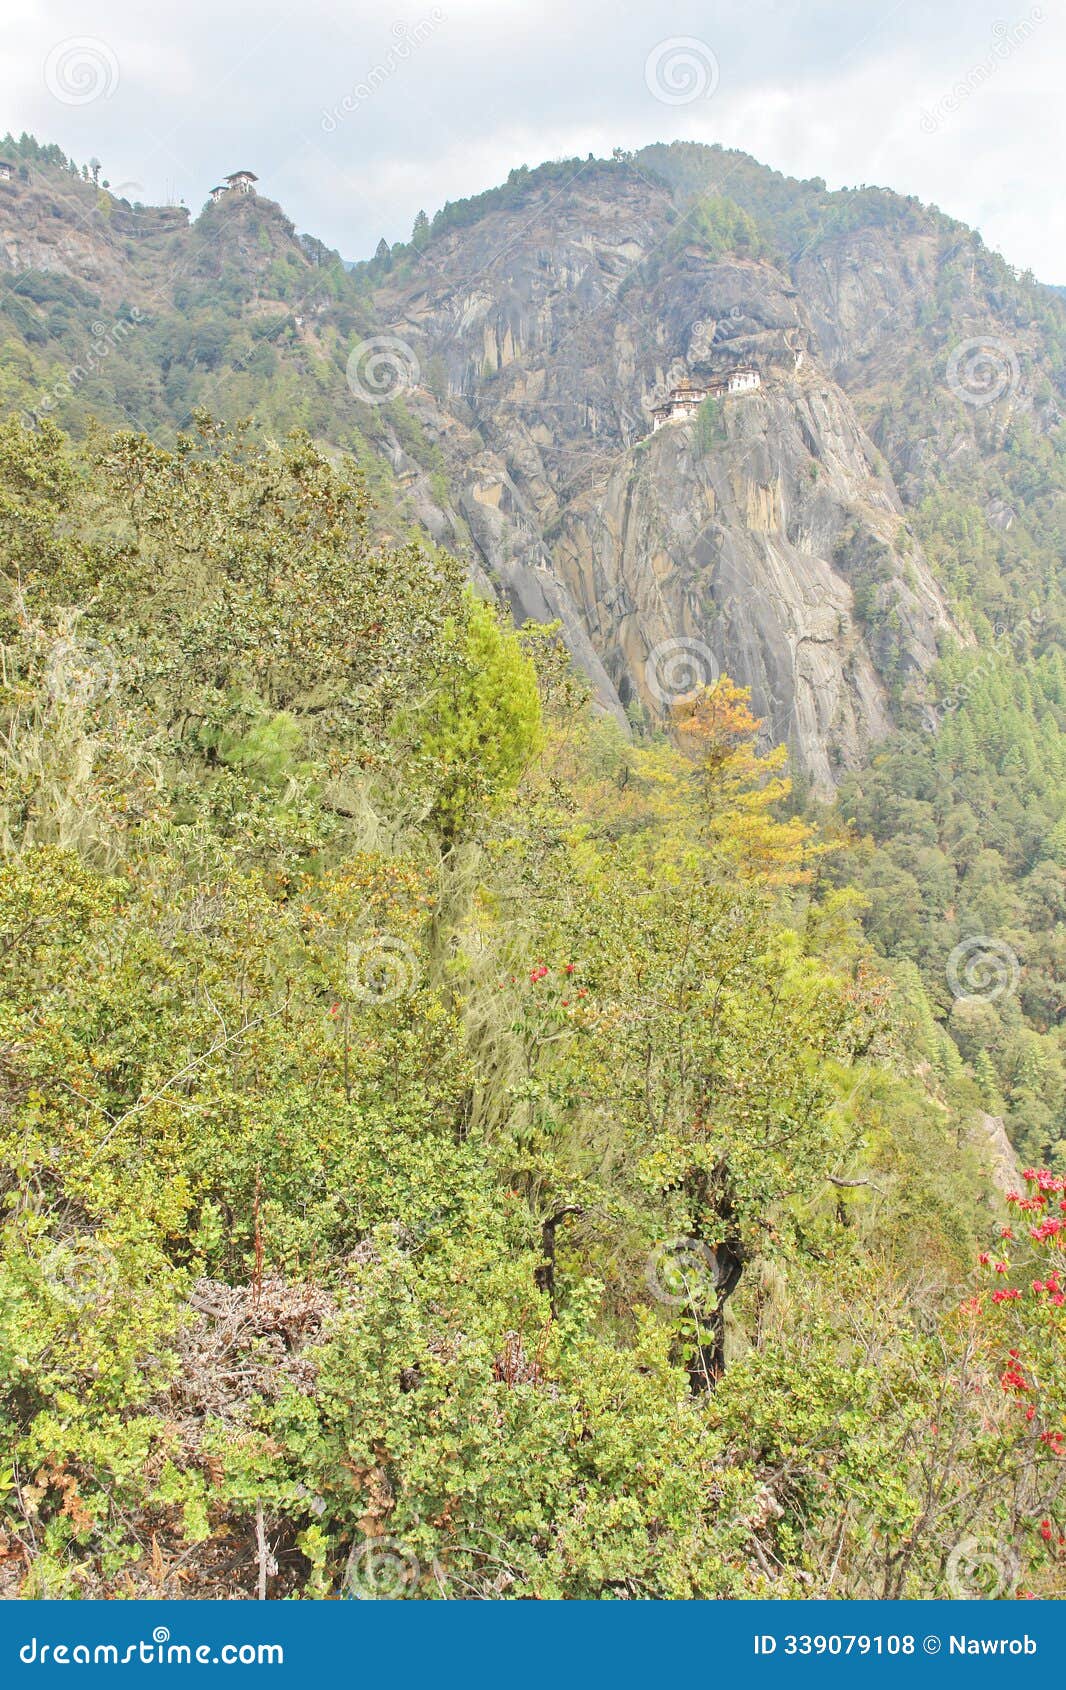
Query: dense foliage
445, 1148
440, 1139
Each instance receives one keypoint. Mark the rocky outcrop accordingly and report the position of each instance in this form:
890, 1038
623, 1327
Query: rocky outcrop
83, 232
728, 551
763, 538
998, 1160
537, 328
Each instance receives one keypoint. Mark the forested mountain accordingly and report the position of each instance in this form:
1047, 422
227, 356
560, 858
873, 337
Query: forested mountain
506, 1090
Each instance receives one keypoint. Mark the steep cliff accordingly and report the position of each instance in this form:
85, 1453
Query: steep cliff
735, 540
804, 537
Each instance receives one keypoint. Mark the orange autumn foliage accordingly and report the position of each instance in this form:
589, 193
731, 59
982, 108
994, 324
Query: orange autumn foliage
741, 789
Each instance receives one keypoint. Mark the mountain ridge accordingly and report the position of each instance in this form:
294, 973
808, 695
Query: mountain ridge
537, 323
434, 1107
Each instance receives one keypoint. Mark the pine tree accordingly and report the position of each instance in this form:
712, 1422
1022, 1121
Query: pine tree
988, 1082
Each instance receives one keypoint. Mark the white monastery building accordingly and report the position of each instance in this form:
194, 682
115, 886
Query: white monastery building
241, 182
685, 399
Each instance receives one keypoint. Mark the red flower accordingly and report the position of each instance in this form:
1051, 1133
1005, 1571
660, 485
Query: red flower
1047, 1230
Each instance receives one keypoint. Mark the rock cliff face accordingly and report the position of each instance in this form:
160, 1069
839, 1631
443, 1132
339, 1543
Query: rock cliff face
999, 1161
81, 232
531, 333
736, 540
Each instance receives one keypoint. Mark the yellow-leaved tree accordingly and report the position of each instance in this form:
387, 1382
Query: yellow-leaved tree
741, 790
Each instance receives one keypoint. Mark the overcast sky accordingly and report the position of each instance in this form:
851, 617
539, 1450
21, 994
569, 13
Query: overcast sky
355, 115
